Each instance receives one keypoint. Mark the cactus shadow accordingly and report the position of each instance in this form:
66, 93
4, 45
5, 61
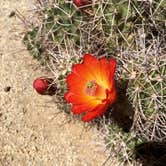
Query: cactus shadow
151, 153
122, 112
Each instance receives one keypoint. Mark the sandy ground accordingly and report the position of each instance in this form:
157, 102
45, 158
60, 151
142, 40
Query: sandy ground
30, 132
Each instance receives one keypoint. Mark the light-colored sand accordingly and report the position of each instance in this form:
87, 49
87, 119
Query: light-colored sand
30, 132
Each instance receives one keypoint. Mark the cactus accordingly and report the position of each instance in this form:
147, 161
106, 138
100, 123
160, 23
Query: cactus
119, 144
146, 89
34, 45
59, 29
121, 22
103, 27
131, 31
61, 23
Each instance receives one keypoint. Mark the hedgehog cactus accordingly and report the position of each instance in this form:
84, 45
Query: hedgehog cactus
126, 144
146, 89
116, 20
103, 28
107, 26
121, 21
62, 23
60, 27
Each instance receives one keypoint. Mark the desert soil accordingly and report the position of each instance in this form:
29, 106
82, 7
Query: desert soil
31, 131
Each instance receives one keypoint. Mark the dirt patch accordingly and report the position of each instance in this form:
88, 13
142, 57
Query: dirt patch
31, 131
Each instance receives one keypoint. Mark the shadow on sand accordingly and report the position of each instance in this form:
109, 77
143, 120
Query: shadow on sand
151, 153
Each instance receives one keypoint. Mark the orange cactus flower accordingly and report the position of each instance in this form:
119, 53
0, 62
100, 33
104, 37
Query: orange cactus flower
91, 87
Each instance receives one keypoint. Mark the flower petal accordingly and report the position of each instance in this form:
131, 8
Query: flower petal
112, 96
96, 112
92, 64
75, 83
81, 108
81, 71
112, 64
73, 98
100, 93
104, 72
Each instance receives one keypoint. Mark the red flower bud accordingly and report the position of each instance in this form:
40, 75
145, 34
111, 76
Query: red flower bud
44, 86
81, 3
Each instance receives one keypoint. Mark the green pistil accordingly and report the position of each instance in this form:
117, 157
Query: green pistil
91, 88
90, 84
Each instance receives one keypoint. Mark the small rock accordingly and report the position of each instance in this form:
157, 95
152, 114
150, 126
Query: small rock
7, 89
12, 14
